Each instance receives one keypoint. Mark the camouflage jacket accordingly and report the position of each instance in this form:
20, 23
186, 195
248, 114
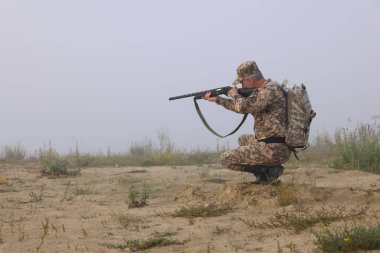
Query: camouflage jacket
267, 105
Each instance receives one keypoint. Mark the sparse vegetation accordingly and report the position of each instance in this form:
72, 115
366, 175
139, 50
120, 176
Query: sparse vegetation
83, 191
218, 230
286, 195
13, 154
358, 149
312, 201
348, 149
299, 221
134, 198
125, 219
205, 210
292, 247
55, 165
139, 244
349, 239
36, 197
45, 230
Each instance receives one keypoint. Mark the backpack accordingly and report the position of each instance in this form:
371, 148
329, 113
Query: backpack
299, 117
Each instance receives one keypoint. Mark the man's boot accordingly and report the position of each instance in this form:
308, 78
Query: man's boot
274, 172
260, 173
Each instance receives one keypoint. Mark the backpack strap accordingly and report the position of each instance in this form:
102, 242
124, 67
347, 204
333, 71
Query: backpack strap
208, 126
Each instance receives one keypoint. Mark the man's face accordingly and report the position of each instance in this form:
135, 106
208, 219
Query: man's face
248, 82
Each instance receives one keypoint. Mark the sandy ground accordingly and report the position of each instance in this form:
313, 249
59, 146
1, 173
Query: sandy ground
90, 212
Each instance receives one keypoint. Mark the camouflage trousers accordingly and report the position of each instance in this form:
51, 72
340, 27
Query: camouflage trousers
253, 152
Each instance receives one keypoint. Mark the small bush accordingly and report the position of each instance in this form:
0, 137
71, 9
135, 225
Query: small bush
55, 165
348, 149
14, 153
286, 195
349, 239
134, 197
358, 149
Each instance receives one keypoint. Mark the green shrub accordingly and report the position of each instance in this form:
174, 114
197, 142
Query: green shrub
349, 239
53, 164
349, 149
358, 149
134, 198
13, 153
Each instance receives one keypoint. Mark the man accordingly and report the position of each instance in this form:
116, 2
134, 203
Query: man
263, 153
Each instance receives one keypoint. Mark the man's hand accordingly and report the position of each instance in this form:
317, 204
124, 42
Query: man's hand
232, 91
208, 97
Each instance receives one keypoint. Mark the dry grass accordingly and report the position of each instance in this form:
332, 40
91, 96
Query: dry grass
140, 244
286, 195
125, 219
3, 181
299, 221
205, 210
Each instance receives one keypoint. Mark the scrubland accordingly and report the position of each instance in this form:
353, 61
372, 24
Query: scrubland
161, 199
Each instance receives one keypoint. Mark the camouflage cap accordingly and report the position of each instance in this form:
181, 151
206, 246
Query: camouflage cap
246, 69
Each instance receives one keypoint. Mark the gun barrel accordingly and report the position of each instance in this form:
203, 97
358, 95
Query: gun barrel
195, 94
199, 94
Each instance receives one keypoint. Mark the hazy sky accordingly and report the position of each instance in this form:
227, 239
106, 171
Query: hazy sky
99, 73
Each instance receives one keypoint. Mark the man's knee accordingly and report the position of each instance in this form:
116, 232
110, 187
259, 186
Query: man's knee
225, 158
245, 139
230, 161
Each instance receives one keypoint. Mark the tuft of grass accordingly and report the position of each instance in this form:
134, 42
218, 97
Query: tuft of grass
3, 181
206, 210
45, 228
83, 191
292, 247
286, 195
134, 198
125, 219
36, 197
369, 196
139, 244
347, 239
218, 230
54, 165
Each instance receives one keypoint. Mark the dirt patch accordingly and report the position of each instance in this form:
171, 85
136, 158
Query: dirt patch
90, 213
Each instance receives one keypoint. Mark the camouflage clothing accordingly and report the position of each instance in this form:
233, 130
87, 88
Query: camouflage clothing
267, 106
246, 69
